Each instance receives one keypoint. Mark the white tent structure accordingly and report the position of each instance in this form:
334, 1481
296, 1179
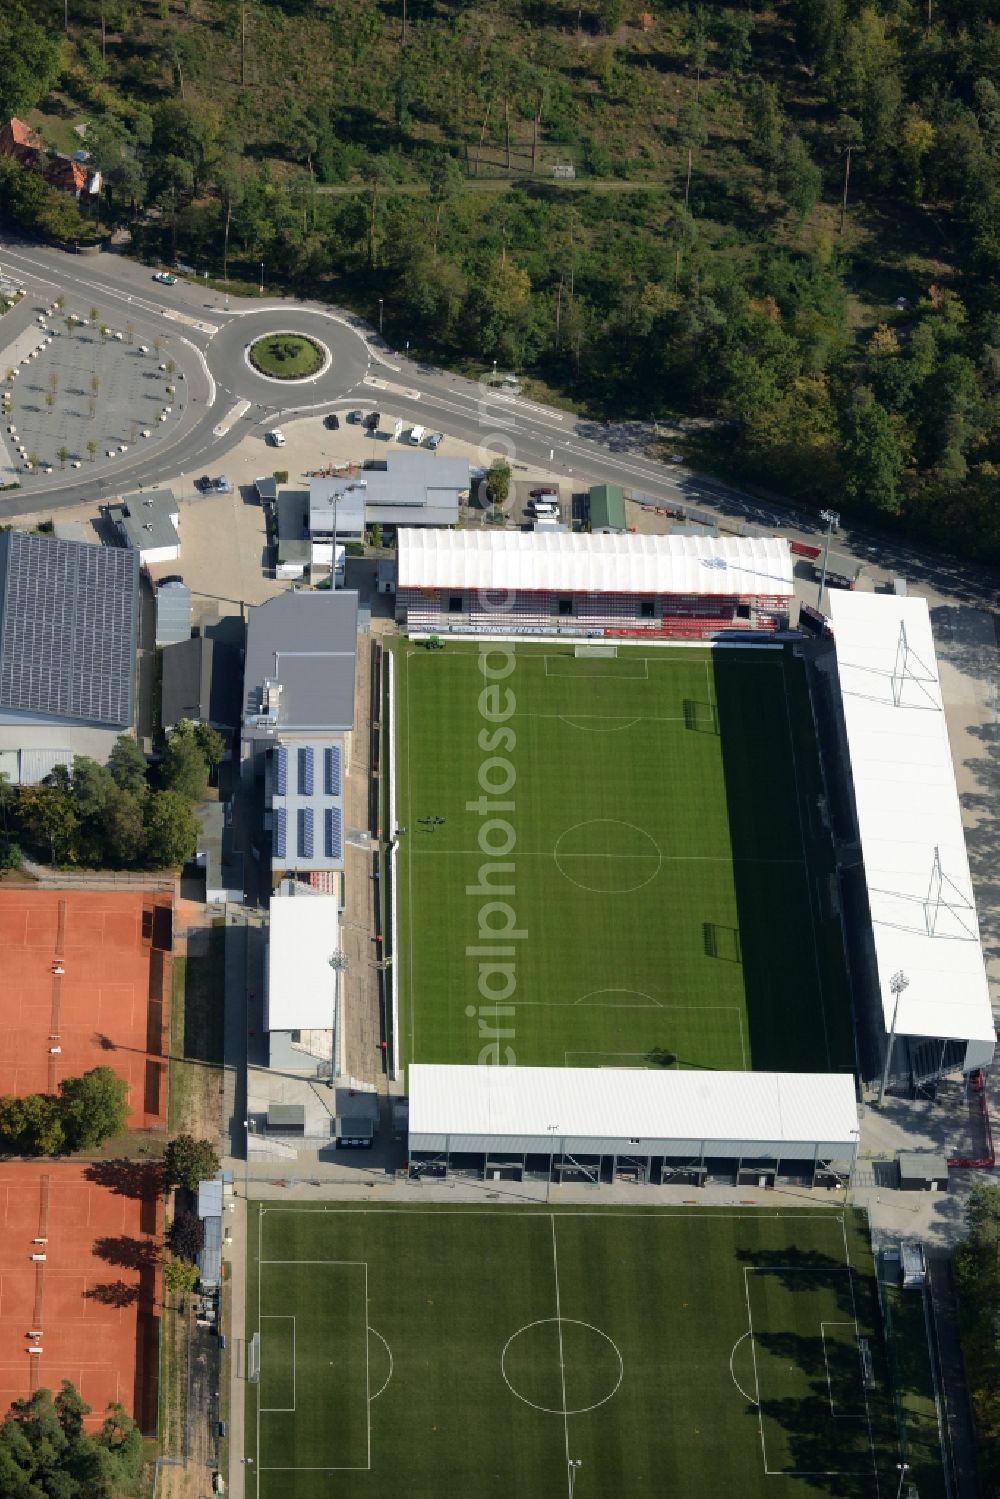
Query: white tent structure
928, 954
300, 998
598, 1123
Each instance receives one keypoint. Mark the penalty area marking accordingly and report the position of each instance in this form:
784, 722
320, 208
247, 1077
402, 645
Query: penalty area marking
388, 1377
589, 675
748, 1398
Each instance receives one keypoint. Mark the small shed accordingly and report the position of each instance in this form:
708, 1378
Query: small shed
356, 1119
173, 612
266, 490
607, 508
286, 1118
922, 1171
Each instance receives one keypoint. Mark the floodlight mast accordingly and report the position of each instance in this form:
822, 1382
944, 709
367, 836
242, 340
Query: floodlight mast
340, 963
574, 1464
897, 984
832, 518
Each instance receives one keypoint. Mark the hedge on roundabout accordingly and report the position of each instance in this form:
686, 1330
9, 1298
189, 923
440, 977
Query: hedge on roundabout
286, 356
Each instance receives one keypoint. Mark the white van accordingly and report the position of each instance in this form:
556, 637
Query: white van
544, 509
417, 435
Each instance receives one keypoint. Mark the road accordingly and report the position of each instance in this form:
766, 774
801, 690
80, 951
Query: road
364, 371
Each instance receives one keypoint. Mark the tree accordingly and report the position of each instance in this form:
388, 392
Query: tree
498, 484
872, 456
94, 1107
48, 820
186, 1236
45, 1449
124, 829
180, 1276
185, 768
63, 455
211, 743
171, 830
187, 1161
30, 60
127, 764
92, 448
33, 1125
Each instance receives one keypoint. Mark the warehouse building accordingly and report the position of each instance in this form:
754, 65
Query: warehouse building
591, 586
606, 1124
925, 986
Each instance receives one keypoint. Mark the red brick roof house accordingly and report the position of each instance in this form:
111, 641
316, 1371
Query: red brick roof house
72, 176
19, 140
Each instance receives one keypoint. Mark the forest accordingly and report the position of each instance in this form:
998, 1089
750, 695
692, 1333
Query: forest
774, 229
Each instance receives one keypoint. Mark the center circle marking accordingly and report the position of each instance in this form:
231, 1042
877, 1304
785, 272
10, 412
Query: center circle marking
565, 1409
615, 871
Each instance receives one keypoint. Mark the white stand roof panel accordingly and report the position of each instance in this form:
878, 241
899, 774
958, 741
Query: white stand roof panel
304, 933
578, 563
910, 820
540, 1110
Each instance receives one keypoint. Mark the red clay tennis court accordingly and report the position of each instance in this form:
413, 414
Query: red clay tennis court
86, 983
79, 1247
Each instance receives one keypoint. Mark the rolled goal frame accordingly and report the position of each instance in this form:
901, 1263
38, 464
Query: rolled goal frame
253, 1359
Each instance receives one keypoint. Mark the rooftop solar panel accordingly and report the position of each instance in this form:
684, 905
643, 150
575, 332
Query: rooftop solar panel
334, 833
332, 769
67, 628
281, 770
280, 833
306, 771
306, 832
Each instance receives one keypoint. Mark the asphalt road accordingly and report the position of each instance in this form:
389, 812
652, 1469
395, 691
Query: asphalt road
214, 332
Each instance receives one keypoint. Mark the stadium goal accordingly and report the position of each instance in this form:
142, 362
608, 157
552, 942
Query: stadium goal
253, 1359
596, 652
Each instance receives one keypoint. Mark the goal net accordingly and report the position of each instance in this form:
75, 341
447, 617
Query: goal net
596, 652
253, 1358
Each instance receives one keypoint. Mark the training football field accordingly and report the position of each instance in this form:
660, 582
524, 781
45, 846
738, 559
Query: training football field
650, 827
447, 1350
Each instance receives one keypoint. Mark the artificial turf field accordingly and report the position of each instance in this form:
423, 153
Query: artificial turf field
468, 1352
671, 874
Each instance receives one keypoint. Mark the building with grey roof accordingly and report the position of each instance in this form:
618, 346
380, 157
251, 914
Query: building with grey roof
298, 676
292, 517
68, 628
174, 611
147, 522
401, 489
201, 682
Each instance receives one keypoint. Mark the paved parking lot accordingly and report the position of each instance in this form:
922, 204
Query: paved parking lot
80, 388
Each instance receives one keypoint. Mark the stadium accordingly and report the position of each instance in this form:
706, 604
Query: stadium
667, 843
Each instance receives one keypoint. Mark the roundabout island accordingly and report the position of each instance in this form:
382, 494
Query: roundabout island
288, 356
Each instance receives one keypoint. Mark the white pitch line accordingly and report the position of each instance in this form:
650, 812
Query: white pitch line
562, 1361
756, 1376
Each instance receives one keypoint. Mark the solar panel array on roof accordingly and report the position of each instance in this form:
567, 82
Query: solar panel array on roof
332, 767
67, 629
306, 832
280, 833
334, 833
306, 771
281, 770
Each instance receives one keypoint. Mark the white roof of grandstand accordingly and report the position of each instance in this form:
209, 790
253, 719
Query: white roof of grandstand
530, 561
304, 933
631, 1104
925, 925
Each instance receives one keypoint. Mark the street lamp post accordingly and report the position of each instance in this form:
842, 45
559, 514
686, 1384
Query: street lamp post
551, 1129
262, 278
381, 310
339, 960
574, 1464
832, 519
897, 984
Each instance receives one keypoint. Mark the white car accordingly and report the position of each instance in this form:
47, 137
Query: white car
417, 435
544, 506
277, 438
164, 278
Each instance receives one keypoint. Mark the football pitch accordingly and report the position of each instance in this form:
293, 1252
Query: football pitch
613, 862
443, 1350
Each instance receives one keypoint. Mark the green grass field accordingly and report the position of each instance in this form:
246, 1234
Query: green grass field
670, 872
441, 1350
